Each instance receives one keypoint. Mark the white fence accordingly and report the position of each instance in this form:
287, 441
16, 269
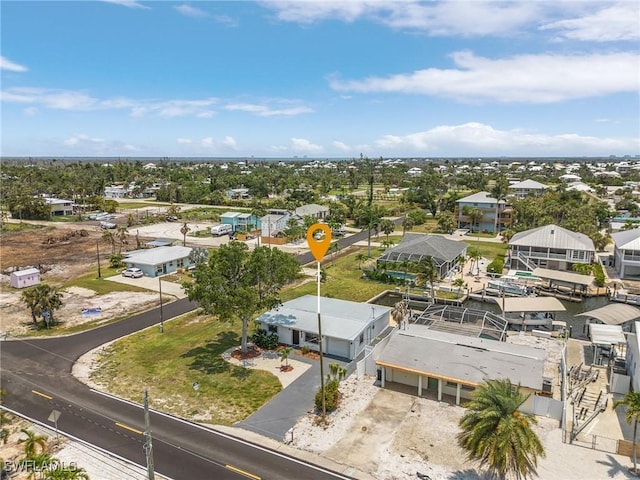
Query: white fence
367, 366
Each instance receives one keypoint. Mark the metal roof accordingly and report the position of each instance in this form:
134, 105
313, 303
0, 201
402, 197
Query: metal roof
530, 304
479, 197
461, 359
25, 272
613, 314
340, 318
159, 255
627, 239
568, 277
530, 184
606, 334
419, 245
552, 236
311, 209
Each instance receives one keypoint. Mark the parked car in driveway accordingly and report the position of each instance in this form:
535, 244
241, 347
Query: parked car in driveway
132, 273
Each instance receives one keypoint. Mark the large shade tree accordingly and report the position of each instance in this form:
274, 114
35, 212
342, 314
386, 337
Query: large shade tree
499, 436
237, 283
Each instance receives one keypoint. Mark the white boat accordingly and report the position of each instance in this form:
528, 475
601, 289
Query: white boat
526, 312
508, 287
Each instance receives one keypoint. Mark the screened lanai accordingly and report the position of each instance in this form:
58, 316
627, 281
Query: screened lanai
415, 246
463, 321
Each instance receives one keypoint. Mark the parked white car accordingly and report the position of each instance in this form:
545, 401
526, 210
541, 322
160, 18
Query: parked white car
132, 273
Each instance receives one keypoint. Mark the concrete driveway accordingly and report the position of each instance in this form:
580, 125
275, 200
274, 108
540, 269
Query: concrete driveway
153, 284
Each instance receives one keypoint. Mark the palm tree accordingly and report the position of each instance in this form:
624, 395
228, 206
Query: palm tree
65, 473
632, 401
427, 272
34, 444
40, 299
122, 237
387, 227
497, 435
361, 257
108, 237
284, 355
184, 230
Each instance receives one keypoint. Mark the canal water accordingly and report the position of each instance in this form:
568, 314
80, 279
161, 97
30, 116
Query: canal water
577, 324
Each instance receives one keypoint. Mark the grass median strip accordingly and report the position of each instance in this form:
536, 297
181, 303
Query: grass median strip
169, 364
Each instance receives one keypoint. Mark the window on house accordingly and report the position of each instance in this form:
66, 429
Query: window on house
158, 268
362, 338
273, 328
311, 338
181, 262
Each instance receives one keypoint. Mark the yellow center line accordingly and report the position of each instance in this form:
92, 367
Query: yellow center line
42, 394
127, 427
242, 472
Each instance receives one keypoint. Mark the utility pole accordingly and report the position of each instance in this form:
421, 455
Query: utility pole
148, 446
161, 316
98, 253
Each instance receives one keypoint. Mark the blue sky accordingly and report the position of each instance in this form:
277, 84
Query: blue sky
319, 78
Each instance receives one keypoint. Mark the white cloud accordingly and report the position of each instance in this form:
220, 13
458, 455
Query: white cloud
466, 18
304, 145
50, 98
82, 140
31, 111
266, 111
176, 108
620, 21
478, 139
190, 11
6, 64
520, 79
128, 4
209, 144
341, 146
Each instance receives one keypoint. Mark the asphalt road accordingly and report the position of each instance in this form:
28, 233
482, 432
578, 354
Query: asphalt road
36, 376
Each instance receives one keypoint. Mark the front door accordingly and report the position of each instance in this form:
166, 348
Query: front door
296, 337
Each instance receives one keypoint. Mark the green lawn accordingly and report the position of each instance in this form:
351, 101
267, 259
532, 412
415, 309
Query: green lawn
169, 363
488, 250
344, 280
100, 285
20, 227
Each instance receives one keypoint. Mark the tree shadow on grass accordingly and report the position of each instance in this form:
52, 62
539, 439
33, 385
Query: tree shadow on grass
240, 373
208, 358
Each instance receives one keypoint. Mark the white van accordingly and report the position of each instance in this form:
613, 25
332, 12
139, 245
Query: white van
221, 230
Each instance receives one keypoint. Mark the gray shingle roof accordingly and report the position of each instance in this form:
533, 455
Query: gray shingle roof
416, 245
553, 236
530, 184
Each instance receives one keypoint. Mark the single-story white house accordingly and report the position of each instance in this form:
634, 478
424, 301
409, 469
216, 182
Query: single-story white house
455, 365
25, 278
159, 261
347, 327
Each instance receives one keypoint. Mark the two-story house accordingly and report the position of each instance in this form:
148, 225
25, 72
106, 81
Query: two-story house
527, 187
626, 252
551, 247
496, 215
241, 221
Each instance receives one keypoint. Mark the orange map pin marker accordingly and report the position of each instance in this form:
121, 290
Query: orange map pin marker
319, 247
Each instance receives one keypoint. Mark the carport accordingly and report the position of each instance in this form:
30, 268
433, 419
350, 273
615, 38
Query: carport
455, 364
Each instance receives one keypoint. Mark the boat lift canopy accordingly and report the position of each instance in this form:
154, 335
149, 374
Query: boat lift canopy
530, 304
613, 314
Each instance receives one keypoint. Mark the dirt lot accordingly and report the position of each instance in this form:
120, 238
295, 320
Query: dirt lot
61, 253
